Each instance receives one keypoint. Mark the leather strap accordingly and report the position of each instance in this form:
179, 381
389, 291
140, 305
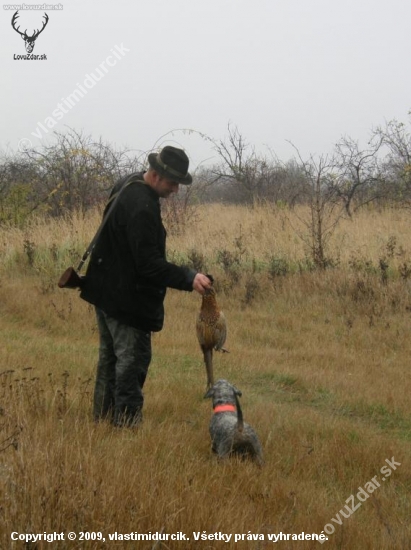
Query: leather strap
112, 202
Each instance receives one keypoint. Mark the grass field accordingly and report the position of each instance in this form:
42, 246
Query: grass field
322, 359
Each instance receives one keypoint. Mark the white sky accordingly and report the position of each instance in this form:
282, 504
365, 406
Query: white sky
308, 71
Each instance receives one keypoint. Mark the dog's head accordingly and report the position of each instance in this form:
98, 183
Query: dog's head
222, 393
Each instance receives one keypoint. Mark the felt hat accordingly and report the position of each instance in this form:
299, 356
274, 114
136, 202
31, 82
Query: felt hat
171, 163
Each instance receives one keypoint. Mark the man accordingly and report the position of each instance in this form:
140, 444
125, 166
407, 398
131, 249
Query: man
126, 280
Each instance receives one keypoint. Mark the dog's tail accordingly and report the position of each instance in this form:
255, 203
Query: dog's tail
240, 421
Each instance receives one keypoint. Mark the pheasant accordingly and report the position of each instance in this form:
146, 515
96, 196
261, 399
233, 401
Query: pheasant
211, 330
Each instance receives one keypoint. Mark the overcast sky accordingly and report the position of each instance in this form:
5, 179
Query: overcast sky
308, 71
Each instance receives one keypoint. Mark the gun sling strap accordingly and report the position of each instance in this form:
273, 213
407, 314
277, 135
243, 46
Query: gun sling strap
112, 202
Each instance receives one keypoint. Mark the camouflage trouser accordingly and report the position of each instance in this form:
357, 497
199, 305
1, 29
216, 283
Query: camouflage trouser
124, 358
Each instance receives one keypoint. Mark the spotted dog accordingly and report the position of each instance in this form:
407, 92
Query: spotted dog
230, 435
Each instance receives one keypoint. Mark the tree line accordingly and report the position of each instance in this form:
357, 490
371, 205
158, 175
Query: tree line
75, 172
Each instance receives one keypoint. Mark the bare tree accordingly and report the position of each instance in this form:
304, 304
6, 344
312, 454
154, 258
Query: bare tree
325, 208
358, 174
73, 172
249, 174
396, 137
246, 177
77, 171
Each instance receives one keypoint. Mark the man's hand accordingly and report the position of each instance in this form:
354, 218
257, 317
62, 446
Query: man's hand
201, 283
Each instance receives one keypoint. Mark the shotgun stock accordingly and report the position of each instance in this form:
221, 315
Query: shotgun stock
71, 279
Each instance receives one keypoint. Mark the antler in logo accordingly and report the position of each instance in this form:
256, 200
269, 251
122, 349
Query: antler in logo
28, 40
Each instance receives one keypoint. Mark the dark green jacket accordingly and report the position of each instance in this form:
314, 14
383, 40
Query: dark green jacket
128, 274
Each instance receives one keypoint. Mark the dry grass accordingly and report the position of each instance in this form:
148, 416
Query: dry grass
322, 360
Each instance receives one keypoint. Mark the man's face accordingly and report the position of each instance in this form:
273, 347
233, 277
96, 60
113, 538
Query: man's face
164, 187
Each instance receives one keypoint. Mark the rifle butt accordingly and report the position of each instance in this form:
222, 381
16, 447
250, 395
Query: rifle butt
71, 279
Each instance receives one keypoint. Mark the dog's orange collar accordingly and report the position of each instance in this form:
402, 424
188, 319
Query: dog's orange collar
224, 408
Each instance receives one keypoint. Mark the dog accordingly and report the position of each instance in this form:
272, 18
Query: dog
230, 435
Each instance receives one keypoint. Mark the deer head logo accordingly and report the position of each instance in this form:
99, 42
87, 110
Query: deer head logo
28, 40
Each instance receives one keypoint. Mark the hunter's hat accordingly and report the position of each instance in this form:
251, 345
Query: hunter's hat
172, 163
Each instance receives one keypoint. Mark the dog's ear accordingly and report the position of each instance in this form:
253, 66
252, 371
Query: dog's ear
237, 392
209, 393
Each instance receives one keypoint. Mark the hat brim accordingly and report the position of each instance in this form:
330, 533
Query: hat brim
185, 180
